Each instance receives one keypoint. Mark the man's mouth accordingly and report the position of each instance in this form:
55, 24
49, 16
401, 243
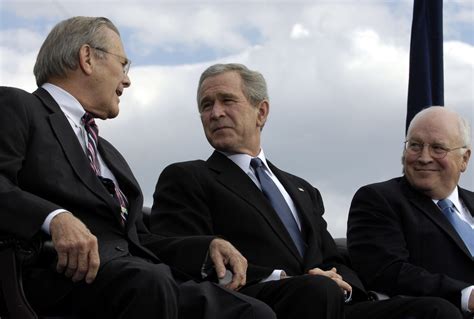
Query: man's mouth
118, 92
219, 128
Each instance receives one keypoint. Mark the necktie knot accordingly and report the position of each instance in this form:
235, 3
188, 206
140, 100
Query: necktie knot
88, 119
256, 162
445, 204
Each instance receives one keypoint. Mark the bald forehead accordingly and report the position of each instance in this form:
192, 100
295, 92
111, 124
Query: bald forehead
434, 114
436, 123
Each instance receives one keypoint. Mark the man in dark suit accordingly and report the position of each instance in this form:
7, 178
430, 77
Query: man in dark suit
59, 178
400, 240
272, 217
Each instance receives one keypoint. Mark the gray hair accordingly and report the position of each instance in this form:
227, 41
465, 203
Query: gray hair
254, 86
60, 51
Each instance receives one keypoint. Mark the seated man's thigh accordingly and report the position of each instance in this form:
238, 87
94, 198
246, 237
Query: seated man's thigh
130, 287
208, 300
307, 296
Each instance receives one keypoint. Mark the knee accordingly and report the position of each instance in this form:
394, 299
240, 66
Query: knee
317, 287
262, 311
444, 308
438, 308
157, 278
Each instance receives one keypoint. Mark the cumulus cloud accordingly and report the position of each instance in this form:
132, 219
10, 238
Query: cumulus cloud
337, 94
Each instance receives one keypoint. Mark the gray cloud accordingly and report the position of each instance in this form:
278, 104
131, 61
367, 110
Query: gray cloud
337, 94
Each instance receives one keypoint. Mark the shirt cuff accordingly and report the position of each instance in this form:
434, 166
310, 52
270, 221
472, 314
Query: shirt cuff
275, 275
465, 294
347, 296
49, 218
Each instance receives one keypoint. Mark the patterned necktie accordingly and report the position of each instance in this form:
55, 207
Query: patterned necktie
273, 194
463, 229
92, 134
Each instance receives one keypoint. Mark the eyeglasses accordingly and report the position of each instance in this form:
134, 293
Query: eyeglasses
436, 151
125, 65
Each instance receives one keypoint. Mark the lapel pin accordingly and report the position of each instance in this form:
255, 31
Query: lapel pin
300, 189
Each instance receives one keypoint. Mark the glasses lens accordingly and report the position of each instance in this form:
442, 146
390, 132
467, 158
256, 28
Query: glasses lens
126, 67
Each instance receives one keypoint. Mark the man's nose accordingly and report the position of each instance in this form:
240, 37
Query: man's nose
126, 81
425, 154
218, 110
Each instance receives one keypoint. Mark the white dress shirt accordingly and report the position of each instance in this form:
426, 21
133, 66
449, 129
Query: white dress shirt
465, 215
73, 111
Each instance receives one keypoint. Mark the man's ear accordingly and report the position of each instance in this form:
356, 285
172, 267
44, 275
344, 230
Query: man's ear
86, 59
465, 159
263, 108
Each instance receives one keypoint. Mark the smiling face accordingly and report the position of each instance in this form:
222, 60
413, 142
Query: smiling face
230, 122
436, 178
109, 79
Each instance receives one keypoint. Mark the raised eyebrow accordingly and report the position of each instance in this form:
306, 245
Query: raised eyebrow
226, 96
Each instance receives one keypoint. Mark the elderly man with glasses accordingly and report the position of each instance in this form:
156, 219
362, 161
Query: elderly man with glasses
414, 235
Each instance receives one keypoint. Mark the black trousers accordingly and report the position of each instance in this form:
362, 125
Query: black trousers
319, 297
130, 287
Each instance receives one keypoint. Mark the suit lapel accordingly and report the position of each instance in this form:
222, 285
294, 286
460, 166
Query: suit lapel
71, 147
427, 207
304, 207
233, 178
468, 199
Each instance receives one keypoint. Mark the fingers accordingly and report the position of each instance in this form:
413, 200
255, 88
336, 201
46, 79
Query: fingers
94, 263
239, 270
223, 253
343, 285
77, 248
328, 273
332, 273
219, 263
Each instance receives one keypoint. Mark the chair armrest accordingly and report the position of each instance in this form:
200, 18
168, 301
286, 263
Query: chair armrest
11, 287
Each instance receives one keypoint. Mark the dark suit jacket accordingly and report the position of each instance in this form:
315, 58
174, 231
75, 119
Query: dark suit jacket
43, 168
217, 198
400, 242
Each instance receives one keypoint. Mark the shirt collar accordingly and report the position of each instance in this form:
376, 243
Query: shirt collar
68, 103
243, 161
454, 198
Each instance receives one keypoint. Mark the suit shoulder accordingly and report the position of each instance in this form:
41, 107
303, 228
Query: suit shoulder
295, 179
191, 167
9, 95
388, 185
13, 91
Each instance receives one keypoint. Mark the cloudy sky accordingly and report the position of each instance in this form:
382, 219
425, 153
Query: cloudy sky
337, 72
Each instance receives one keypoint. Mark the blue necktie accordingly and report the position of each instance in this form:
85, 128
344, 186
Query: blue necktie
463, 229
273, 194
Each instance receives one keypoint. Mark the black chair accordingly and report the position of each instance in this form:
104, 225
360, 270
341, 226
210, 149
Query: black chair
13, 303
14, 254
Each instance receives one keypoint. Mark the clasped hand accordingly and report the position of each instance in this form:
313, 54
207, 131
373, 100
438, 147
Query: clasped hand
332, 273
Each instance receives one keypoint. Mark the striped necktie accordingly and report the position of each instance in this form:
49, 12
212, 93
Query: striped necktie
463, 229
276, 199
92, 134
